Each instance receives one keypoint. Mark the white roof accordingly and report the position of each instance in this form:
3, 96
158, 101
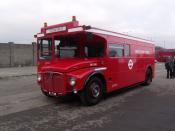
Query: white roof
100, 31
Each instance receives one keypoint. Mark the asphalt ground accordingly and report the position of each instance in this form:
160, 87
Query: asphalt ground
17, 71
140, 108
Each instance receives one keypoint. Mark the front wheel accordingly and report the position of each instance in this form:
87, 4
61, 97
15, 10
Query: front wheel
148, 78
93, 92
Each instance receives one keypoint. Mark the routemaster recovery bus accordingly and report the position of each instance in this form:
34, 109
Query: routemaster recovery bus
90, 62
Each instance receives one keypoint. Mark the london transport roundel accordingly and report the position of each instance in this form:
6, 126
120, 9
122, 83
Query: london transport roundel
130, 64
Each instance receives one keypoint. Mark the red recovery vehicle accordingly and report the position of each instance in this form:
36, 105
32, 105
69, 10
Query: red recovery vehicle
90, 62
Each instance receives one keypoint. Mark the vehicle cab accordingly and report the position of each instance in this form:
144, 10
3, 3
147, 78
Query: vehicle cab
67, 57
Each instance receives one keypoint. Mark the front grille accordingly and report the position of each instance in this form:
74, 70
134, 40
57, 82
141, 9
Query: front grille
58, 83
53, 81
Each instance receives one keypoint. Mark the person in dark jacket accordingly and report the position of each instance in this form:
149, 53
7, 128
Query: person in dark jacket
169, 67
174, 67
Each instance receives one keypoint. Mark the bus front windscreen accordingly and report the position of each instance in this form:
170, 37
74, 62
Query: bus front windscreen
70, 48
66, 49
45, 49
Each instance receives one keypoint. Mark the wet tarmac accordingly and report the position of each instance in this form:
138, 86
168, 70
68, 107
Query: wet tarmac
24, 108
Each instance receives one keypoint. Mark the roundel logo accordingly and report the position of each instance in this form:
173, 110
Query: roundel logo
130, 64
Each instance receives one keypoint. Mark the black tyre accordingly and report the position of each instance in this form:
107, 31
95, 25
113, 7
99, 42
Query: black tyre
148, 78
93, 92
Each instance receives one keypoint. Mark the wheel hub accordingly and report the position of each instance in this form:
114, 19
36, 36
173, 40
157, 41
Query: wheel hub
95, 90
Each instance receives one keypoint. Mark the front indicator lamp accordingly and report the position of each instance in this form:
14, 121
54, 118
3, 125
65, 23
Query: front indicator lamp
39, 77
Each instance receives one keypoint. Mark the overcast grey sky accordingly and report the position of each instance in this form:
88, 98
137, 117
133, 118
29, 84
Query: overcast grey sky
150, 19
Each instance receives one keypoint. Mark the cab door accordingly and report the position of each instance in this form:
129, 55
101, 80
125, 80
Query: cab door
116, 65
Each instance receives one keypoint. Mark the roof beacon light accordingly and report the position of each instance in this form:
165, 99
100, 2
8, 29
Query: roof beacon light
45, 24
74, 18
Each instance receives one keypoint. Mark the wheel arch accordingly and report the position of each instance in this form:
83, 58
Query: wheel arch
149, 67
147, 82
98, 75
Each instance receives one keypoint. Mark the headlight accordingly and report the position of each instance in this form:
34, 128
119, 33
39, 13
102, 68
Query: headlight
39, 77
72, 81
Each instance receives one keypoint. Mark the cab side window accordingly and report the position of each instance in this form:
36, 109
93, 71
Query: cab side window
116, 50
94, 50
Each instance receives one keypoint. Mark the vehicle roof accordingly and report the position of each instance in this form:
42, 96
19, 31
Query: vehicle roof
112, 33
74, 27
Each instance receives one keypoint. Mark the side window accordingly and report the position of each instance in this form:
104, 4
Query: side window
94, 50
127, 50
116, 50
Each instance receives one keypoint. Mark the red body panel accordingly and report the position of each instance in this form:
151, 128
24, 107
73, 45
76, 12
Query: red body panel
118, 72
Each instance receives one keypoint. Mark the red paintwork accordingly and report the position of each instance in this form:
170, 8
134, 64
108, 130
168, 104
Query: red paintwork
117, 75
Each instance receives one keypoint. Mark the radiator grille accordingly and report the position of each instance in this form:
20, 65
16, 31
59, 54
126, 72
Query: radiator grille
53, 82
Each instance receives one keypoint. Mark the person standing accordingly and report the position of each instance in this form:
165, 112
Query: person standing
169, 67
174, 67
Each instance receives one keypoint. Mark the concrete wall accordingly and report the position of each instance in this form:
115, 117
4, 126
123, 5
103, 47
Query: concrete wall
17, 54
4, 54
